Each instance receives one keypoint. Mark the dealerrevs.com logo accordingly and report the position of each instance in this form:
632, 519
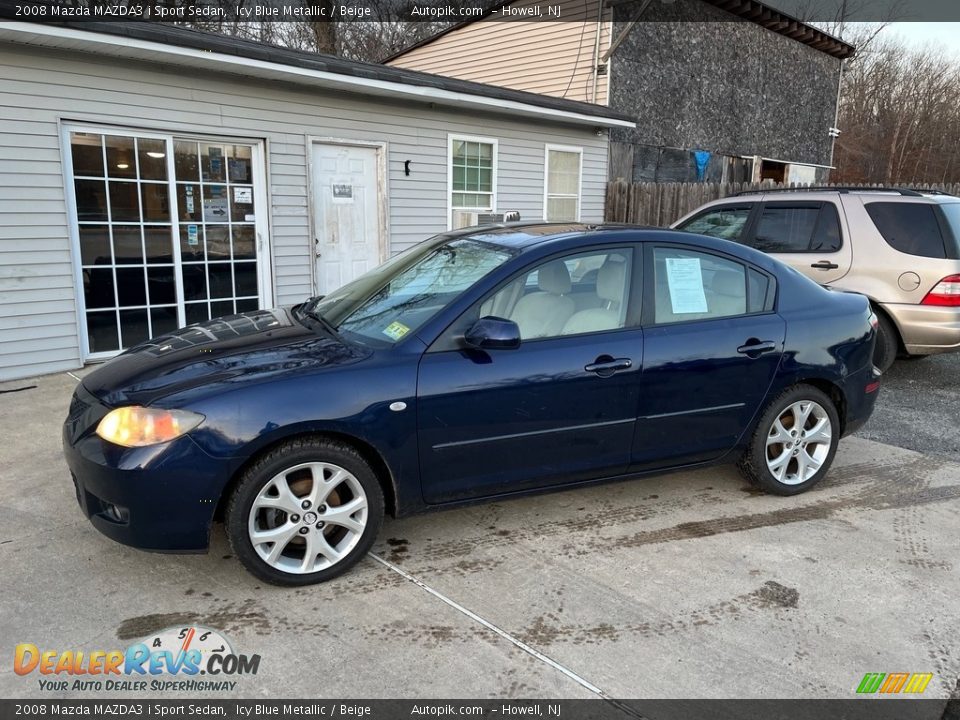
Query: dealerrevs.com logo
173, 659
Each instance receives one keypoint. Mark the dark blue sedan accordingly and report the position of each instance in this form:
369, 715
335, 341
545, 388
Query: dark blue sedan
476, 365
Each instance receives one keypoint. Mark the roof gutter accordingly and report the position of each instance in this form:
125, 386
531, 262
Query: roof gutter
74, 40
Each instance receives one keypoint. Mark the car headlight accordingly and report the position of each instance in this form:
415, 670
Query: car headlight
136, 426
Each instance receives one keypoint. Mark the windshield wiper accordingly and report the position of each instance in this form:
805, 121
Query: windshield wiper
326, 324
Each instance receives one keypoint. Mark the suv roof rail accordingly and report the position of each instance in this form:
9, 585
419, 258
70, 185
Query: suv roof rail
840, 189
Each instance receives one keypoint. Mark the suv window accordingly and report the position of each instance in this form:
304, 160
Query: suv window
726, 222
911, 228
797, 228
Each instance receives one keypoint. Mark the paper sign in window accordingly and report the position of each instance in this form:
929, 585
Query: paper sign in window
685, 281
243, 195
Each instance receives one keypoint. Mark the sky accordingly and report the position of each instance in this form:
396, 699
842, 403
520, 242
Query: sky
920, 33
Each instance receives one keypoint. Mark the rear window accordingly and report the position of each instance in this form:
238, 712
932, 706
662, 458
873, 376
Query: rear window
910, 228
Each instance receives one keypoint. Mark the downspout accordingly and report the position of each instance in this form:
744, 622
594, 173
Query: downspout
596, 52
836, 112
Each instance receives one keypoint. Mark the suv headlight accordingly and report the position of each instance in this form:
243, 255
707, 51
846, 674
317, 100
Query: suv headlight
136, 426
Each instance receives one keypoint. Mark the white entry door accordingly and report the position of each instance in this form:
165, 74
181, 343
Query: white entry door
347, 206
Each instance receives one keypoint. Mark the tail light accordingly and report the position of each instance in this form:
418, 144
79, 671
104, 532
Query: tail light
946, 293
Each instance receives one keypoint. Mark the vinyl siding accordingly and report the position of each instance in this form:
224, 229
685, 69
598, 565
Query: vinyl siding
38, 309
550, 57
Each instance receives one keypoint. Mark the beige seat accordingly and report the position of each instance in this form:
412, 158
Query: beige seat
611, 289
544, 313
728, 294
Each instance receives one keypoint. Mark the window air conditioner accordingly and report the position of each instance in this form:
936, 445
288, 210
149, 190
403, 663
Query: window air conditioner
469, 218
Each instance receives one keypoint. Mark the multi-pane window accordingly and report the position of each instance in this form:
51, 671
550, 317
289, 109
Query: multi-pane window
218, 239
136, 196
472, 174
122, 193
563, 185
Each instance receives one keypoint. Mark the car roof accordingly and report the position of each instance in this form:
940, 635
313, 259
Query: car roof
819, 193
565, 236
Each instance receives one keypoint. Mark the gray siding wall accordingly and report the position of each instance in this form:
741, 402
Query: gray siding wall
731, 87
38, 312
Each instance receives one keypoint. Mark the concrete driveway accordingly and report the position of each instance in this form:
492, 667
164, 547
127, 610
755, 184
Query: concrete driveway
687, 585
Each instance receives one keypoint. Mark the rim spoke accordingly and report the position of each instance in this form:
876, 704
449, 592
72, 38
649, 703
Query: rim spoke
801, 413
322, 487
820, 433
280, 537
342, 514
309, 553
778, 433
285, 500
809, 461
327, 550
778, 466
802, 465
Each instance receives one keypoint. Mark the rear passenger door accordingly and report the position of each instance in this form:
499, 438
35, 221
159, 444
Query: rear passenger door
807, 235
712, 344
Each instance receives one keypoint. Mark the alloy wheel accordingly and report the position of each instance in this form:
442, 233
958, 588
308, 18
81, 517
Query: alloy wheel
798, 442
308, 517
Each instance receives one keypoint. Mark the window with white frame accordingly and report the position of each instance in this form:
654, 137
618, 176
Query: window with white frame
562, 181
166, 232
473, 178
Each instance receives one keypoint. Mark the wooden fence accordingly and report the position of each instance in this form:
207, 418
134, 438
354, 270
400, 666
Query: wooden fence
660, 204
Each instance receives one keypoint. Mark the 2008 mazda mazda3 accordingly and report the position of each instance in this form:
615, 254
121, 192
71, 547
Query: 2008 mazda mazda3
478, 364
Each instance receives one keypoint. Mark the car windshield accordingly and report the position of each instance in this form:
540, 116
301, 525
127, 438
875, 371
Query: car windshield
396, 298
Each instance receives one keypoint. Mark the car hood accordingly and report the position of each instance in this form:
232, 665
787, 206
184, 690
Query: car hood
244, 348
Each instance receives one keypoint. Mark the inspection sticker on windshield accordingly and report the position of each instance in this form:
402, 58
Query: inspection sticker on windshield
686, 285
395, 330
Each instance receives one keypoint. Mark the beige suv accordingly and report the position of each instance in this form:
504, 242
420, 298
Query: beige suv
900, 248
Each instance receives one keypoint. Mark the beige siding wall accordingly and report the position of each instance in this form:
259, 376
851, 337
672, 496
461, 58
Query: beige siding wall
38, 311
550, 57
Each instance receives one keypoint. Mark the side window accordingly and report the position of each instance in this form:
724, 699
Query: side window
760, 292
692, 285
827, 238
798, 228
582, 293
911, 228
785, 229
725, 222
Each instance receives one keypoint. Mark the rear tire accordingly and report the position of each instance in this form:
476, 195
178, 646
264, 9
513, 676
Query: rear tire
794, 443
888, 343
305, 512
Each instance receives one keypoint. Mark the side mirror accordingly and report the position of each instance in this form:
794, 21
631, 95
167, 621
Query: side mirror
493, 333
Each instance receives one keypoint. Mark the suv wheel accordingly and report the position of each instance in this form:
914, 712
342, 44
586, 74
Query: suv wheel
888, 341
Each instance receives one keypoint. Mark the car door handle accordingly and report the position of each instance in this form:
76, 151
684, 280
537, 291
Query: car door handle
824, 265
755, 348
605, 366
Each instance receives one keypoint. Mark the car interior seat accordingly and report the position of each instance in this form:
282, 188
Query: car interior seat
728, 295
611, 287
544, 313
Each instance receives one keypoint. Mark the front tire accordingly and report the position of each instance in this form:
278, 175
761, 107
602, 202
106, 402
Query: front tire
305, 512
794, 443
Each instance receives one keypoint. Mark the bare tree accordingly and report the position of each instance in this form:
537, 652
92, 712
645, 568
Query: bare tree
900, 116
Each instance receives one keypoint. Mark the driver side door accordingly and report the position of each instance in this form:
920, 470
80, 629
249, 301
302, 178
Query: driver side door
561, 407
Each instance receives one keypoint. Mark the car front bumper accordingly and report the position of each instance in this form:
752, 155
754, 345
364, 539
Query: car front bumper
160, 498
926, 329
